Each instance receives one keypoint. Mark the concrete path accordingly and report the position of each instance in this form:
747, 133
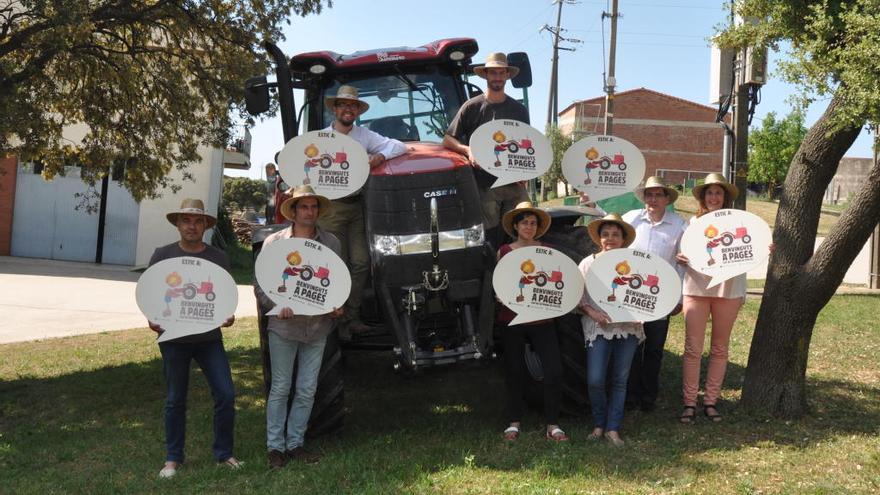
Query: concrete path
42, 299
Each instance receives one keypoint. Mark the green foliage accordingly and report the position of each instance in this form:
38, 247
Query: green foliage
772, 147
152, 81
243, 192
559, 143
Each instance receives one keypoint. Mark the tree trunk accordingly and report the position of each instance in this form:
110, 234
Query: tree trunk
799, 282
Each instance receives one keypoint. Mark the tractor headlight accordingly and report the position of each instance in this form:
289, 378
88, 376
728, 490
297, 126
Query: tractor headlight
449, 240
386, 244
474, 236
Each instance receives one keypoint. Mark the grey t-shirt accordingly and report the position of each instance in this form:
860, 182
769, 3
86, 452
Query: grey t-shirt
211, 254
476, 112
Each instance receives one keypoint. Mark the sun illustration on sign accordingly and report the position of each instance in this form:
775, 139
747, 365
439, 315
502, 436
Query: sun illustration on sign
711, 231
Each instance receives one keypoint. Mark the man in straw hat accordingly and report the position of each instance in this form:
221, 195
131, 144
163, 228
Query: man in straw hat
206, 349
494, 104
345, 217
297, 338
658, 231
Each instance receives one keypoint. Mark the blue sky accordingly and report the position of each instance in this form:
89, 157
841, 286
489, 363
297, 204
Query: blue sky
661, 45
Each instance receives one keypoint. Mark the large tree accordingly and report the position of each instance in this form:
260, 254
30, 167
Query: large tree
151, 79
834, 56
772, 147
559, 143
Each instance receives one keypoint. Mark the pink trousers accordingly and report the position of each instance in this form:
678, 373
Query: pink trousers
696, 314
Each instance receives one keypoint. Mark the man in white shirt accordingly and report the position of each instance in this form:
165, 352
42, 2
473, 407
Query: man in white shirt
345, 217
658, 231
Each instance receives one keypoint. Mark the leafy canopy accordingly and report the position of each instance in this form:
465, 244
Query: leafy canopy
151, 79
772, 146
242, 192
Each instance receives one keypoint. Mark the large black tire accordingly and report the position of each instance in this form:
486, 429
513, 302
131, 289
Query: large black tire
575, 398
328, 413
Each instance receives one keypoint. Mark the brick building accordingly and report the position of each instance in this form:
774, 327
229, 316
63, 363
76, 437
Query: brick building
679, 138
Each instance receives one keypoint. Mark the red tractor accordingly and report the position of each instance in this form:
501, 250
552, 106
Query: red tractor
651, 281
605, 162
326, 159
555, 277
740, 233
322, 273
513, 146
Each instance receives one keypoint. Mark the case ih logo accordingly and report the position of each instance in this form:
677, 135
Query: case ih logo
384, 57
441, 192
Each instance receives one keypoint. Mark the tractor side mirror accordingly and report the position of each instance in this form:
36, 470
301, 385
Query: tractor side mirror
521, 61
256, 95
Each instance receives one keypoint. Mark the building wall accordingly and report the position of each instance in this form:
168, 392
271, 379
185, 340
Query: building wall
679, 138
154, 230
851, 174
8, 168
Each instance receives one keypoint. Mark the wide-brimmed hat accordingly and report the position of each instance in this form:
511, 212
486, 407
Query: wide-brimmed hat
526, 207
629, 233
299, 192
496, 60
190, 206
732, 191
654, 181
349, 93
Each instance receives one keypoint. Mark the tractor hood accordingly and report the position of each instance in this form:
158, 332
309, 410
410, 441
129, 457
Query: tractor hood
421, 158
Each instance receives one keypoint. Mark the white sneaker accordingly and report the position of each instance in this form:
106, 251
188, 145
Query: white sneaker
169, 471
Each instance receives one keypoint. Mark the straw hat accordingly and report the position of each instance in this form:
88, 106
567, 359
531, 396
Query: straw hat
496, 60
526, 206
629, 233
349, 93
299, 192
190, 206
654, 181
732, 191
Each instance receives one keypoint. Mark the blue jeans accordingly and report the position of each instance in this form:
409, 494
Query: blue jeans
608, 411
282, 354
211, 357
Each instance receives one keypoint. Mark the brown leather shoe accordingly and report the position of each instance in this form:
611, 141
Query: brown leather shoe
277, 459
300, 454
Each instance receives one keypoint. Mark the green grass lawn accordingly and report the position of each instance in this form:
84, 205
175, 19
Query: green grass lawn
84, 415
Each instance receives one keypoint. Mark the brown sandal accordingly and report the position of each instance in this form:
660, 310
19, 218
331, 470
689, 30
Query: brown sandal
715, 418
688, 415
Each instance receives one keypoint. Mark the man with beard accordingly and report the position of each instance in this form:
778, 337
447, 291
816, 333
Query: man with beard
494, 104
345, 217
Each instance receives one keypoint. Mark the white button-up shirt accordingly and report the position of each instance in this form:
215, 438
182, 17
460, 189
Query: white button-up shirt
374, 142
661, 238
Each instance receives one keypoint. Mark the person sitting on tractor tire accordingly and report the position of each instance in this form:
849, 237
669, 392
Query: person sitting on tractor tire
526, 224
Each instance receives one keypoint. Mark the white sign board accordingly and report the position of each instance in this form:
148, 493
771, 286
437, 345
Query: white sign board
537, 283
186, 296
334, 164
633, 285
511, 150
603, 166
303, 275
725, 243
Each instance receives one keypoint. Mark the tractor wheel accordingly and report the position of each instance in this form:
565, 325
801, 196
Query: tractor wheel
727, 239
189, 292
655, 289
326, 161
344, 165
530, 150
210, 296
622, 166
559, 285
513, 147
572, 351
747, 239
605, 163
541, 280
325, 282
635, 283
328, 413
306, 274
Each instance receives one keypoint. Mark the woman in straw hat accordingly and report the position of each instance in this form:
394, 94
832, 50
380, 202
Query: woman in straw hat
607, 341
722, 302
526, 224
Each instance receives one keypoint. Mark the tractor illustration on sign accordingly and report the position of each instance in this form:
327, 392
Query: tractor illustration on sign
324, 160
188, 290
594, 161
305, 272
510, 145
725, 239
540, 278
652, 282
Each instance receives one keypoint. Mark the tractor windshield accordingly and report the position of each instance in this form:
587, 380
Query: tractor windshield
409, 106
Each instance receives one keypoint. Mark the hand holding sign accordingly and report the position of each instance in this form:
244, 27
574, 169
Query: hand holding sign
186, 296
511, 150
303, 275
603, 166
633, 285
334, 164
725, 243
537, 283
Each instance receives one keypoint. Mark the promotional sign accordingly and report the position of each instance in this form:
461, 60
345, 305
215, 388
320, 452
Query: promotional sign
334, 164
725, 243
603, 166
537, 283
303, 275
186, 296
633, 285
511, 151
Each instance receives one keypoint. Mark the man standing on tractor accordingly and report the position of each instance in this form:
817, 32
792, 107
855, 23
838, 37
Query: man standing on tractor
205, 348
494, 104
345, 217
658, 231
295, 338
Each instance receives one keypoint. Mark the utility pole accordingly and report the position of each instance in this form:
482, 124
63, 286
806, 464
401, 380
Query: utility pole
610, 81
553, 97
740, 170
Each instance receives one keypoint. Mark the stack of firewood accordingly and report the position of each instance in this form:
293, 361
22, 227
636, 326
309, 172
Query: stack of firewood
243, 229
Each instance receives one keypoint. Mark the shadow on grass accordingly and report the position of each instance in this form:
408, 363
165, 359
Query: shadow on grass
102, 430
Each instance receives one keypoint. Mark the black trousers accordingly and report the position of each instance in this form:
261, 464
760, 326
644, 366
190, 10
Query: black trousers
644, 375
546, 345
